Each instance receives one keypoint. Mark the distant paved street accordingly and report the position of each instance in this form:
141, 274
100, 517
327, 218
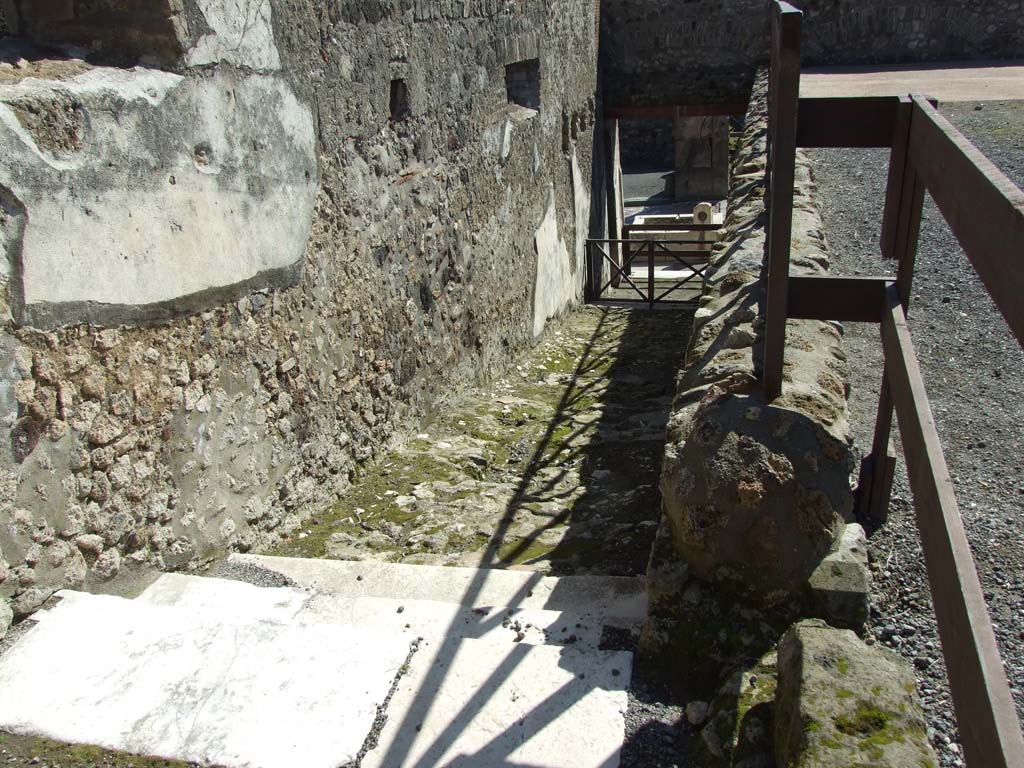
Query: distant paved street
949, 81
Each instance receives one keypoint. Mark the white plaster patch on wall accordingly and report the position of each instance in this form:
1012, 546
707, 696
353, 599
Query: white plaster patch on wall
556, 286
172, 188
242, 33
138, 83
581, 208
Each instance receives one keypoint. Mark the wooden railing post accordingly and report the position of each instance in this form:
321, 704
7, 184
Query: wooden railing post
901, 225
650, 274
783, 94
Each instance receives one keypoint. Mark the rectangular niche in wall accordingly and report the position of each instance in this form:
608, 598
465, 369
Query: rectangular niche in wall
522, 83
400, 108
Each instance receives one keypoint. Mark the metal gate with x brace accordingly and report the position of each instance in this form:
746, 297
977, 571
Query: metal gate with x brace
652, 249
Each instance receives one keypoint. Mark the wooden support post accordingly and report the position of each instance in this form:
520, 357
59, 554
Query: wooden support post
784, 93
650, 273
901, 225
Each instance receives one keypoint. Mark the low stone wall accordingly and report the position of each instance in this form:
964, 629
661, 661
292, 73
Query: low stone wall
757, 493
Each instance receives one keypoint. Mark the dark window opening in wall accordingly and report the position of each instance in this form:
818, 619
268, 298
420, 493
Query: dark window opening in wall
522, 83
400, 108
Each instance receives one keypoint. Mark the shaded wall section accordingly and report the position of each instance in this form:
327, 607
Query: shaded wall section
667, 52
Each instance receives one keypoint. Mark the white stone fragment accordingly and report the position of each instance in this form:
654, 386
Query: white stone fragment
241, 33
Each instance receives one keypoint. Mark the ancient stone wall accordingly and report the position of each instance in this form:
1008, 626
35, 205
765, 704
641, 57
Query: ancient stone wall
663, 51
647, 143
757, 493
219, 429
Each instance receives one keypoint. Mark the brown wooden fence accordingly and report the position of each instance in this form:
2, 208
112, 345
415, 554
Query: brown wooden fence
985, 211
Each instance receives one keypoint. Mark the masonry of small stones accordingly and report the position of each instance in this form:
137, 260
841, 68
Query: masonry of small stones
165, 404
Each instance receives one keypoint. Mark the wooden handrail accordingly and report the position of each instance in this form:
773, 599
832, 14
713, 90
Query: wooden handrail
985, 211
986, 716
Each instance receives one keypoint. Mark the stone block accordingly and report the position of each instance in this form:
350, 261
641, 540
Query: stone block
221, 209
740, 720
6, 617
746, 510
840, 702
840, 587
702, 157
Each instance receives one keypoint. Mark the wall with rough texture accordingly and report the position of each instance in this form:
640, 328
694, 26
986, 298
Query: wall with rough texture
220, 429
665, 51
757, 493
647, 143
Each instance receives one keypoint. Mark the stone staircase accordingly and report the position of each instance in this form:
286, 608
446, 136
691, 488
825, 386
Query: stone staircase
358, 663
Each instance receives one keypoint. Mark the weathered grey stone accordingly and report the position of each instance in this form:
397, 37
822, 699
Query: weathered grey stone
746, 507
29, 600
6, 616
696, 712
75, 570
840, 702
90, 544
94, 383
840, 587
740, 719
108, 564
105, 430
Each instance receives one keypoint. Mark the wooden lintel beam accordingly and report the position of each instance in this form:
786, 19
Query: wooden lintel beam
846, 299
648, 111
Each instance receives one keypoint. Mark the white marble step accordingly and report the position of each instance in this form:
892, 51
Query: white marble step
461, 704
162, 681
175, 682
612, 599
234, 601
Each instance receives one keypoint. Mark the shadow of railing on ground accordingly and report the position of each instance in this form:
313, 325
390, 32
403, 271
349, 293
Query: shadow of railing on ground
631, 379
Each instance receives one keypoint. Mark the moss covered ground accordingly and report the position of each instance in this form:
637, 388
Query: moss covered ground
554, 467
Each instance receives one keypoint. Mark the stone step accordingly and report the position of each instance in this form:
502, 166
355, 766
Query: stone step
461, 704
161, 681
614, 600
225, 600
173, 681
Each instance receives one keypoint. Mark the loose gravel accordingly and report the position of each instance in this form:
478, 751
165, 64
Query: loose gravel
974, 374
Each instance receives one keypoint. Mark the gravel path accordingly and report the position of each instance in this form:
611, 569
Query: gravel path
974, 373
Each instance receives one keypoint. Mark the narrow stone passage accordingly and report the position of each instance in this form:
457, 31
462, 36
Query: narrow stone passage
554, 468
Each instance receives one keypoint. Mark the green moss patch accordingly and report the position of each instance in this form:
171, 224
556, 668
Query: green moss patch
29, 750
